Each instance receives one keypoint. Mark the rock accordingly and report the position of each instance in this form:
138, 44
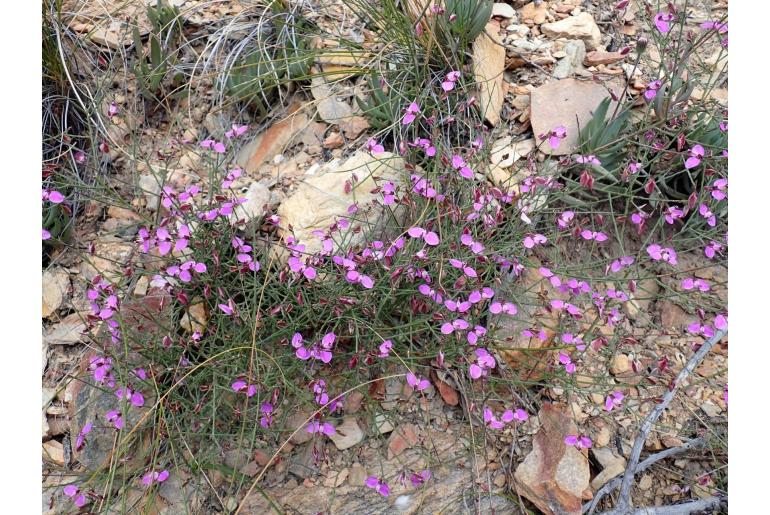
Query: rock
603, 438
236, 458
576, 52
353, 402
534, 12
505, 153
257, 196
620, 364
448, 394
272, 141
581, 26
335, 479
612, 466
488, 66
56, 284
711, 409
195, 317
554, 476
348, 434
638, 302
382, 424
66, 332
180, 492
298, 420
334, 140
150, 186
401, 439
304, 464
673, 317
354, 126
331, 109
503, 10
598, 57
565, 102
645, 483
357, 475
53, 452
321, 199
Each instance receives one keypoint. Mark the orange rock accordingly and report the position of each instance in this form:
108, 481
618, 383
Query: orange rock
597, 57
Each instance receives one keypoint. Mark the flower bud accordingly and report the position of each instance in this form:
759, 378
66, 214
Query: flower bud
641, 45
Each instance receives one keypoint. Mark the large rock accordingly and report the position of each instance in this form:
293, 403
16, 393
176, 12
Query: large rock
554, 476
565, 102
322, 199
347, 434
272, 141
56, 284
612, 466
576, 52
488, 66
581, 26
67, 332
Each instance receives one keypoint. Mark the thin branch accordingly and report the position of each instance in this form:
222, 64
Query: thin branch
644, 465
682, 509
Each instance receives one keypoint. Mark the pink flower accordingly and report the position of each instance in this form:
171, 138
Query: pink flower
214, 145
534, 239
712, 249
76, 495
658, 253
701, 329
457, 324
555, 136
152, 477
467, 270
720, 322
552, 278
593, 235
672, 214
449, 83
691, 283
112, 110
46, 235
229, 308
565, 360
385, 348
81, 439
571, 309
621, 263
652, 89
491, 420
417, 382
503, 307
720, 27
719, 190
379, 485
319, 427
579, 442
236, 131
249, 389
614, 400
411, 113
114, 417
706, 213
267, 415
696, 154
483, 364
589, 159
662, 21
467, 240
565, 219
419, 478
53, 196
430, 237
374, 147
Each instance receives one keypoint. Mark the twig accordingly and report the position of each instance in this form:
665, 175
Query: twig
624, 502
644, 465
681, 509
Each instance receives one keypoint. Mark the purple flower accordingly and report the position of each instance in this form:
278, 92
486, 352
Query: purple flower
467, 240
373, 147
672, 214
589, 159
420, 477
430, 237
46, 235
621, 263
53, 196
240, 385
706, 213
696, 154
593, 235
555, 136
534, 239
691, 283
417, 382
385, 348
662, 21
450, 327
81, 439
483, 364
411, 113
720, 322
267, 415
719, 189
658, 253
503, 307
236, 131
701, 329
565, 219
74, 493
712, 249
379, 485
710, 24
652, 89
571, 309
154, 476
115, 418
565, 360
321, 427
449, 83
214, 145
579, 442
467, 270
614, 400
491, 420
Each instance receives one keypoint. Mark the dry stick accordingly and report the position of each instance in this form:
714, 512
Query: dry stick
681, 509
624, 503
644, 465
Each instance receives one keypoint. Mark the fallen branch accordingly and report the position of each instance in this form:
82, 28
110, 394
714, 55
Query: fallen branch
644, 465
624, 502
681, 509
